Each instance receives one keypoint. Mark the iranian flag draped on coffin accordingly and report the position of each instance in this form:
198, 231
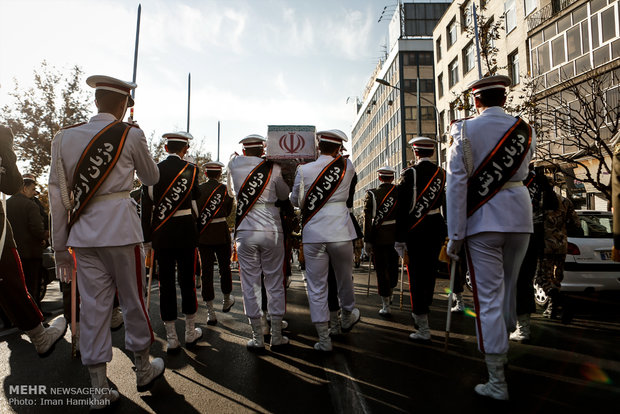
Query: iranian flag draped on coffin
291, 142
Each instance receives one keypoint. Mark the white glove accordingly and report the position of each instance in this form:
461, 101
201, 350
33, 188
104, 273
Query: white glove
368, 248
454, 248
400, 248
64, 265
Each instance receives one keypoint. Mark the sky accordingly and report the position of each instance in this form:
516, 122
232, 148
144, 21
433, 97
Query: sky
253, 63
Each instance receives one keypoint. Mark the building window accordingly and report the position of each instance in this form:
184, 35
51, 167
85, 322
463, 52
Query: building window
557, 50
440, 85
438, 49
513, 63
608, 23
573, 42
451, 32
530, 6
468, 58
466, 16
511, 15
453, 69
426, 85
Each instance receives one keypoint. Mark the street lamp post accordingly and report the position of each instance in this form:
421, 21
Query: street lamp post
419, 96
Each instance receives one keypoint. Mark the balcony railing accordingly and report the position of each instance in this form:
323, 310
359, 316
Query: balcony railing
547, 12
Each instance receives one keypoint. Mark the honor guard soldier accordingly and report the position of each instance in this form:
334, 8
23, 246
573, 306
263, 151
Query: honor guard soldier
257, 184
421, 229
168, 223
16, 302
615, 200
321, 190
90, 179
380, 233
490, 214
214, 205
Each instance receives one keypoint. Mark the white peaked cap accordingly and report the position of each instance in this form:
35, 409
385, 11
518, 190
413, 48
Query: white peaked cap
253, 141
332, 135
179, 136
386, 170
109, 83
490, 82
213, 166
422, 143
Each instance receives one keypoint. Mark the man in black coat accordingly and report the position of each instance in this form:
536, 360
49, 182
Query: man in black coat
168, 222
214, 205
29, 232
421, 229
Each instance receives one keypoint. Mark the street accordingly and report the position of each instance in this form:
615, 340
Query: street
373, 369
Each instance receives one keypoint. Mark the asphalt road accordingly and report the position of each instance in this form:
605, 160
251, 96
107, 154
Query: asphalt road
373, 369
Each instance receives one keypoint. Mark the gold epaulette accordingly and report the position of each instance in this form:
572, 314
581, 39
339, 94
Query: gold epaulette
617, 149
73, 126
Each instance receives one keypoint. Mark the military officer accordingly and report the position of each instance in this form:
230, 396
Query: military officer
380, 232
168, 222
95, 163
321, 190
421, 229
257, 184
214, 205
490, 214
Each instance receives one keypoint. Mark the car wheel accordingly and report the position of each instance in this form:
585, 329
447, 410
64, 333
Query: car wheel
540, 297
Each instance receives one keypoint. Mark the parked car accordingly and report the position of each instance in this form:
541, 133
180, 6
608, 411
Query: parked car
588, 266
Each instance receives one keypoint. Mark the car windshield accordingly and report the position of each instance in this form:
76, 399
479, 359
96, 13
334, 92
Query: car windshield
594, 225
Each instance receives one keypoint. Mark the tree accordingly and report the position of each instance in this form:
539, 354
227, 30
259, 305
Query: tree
38, 113
575, 129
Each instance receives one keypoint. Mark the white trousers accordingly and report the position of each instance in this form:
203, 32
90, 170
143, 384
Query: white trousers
494, 260
261, 252
101, 272
318, 258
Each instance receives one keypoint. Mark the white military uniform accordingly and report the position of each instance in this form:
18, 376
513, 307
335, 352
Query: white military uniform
327, 237
260, 240
106, 238
496, 235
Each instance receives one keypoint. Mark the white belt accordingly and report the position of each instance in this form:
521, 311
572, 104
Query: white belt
337, 203
218, 220
180, 213
512, 184
434, 211
112, 196
262, 206
385, 223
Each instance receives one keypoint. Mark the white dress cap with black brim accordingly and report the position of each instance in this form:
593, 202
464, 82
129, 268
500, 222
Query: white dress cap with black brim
180, 136
422, 143
253, 141
335, 136
109, 83
29, 177
213, 166
490, 82
386, 171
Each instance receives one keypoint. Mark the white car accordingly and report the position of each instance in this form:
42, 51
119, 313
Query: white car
588, 266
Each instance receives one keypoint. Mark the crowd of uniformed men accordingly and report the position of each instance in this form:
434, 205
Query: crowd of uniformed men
97, 235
